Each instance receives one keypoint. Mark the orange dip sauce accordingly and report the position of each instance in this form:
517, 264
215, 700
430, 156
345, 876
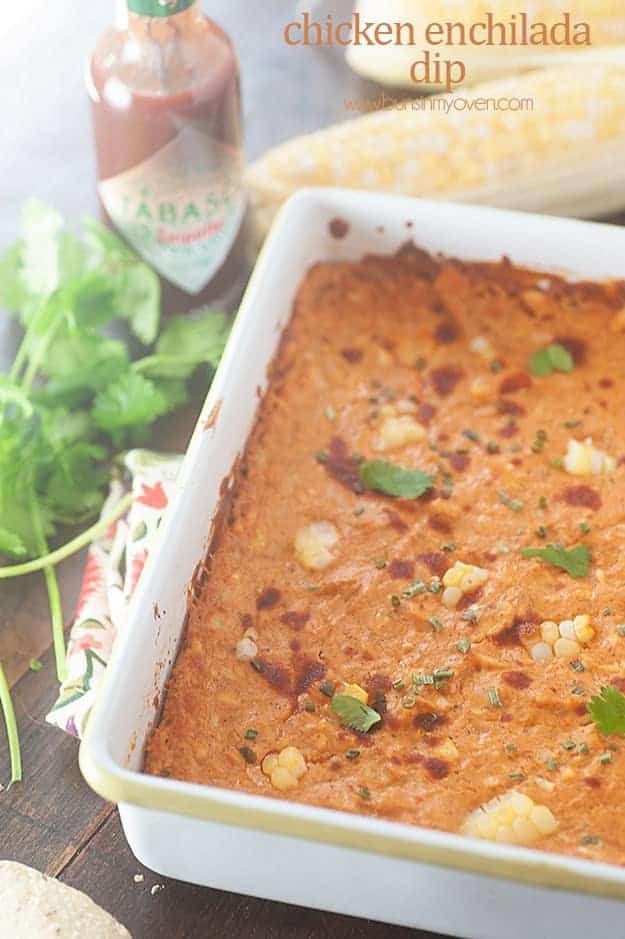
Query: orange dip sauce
394, 339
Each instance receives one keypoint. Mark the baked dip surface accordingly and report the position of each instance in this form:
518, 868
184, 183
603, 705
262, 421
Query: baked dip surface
465, 661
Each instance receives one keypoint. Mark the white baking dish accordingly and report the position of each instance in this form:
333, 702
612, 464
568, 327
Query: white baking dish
280, 850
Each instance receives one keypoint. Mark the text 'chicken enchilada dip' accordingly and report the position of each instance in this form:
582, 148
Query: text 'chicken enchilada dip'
415, 608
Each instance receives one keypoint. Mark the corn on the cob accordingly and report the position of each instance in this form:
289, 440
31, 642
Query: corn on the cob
513, 818
565, 155
584, 459
390, 64
562, 640
314, 545
285, 769
460, 579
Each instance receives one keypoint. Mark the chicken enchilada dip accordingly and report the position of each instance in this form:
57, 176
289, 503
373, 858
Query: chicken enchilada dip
415, 606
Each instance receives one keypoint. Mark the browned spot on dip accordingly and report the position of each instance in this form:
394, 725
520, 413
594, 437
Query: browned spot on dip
582, 495
446, 332
575, 346
269, 598
339, 228
369, 612
352, 355
445, 379
296, 619
517, 382
401, 570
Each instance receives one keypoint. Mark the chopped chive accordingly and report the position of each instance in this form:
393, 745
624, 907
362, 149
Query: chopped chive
495, 366
309, 706
578, 666
538, 444
494, 699
395, 601
423, 680
471, 435
408, 701
330, 413
251, 734
590, 839
352, 754
471, 616
441, 675
510, 748
435, 586
248, 755
380, 564
436, 624
541, 531
493, 447
621, 629
414, 589
557, 463
605, 758
398, 684
542, 503
321, 456
463, 646
579, 690
513, 504
584, 527
584, 748
364, 793
571, 425
517, 777
327, 688
607, 611
360, 510
449, 547
568, 745
551, 765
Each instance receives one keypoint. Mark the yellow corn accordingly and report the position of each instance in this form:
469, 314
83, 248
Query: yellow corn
460, 579
285, 769
397, 432
584, 459
509, 158
562, 640
512, 818
314, 545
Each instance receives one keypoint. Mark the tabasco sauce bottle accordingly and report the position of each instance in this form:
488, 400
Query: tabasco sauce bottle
164, 89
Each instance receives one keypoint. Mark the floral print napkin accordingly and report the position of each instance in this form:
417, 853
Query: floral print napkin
114, 565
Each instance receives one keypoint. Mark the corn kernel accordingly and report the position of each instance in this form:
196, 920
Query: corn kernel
583, 630
565, 648
451, 597
284, 769
567, 629
355, 691
314, 544
541, 651
549, 631
512, 818
584, 459
397, 432
483, 347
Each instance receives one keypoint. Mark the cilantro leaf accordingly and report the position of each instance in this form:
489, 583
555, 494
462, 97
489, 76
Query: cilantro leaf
607, 710
395, 480
130, 400
13, 291
41, 225
353, 713
78, 364
553, 358
138, 299
185, 343
575, 561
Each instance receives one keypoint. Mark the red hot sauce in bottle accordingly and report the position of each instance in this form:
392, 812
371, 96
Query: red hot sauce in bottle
164, 89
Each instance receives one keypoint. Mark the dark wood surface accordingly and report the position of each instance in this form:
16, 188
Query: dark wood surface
53, 821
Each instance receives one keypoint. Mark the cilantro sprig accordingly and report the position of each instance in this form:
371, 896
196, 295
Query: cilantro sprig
73, 395
575, 561
607, 710
394, 480
353, 713
553, 358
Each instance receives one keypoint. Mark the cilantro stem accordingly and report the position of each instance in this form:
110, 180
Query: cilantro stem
71, 547
11, 728
149, 361
54, 595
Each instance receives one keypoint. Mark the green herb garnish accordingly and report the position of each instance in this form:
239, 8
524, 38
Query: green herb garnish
575, 561
590, 839
414, 590
364, 793
607, 710
436, 624
326, 688
553, 358
568, 745
494, 699
577, 666
513, 504
250, 734
352, 754
463, 646
395, 480
584, 527
353, 713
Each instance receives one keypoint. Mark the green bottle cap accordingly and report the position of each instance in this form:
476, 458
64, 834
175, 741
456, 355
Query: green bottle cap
158, 7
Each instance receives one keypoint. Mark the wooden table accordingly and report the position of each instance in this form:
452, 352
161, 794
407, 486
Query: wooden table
53, 821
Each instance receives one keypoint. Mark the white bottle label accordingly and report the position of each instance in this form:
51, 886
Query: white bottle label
181, 209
